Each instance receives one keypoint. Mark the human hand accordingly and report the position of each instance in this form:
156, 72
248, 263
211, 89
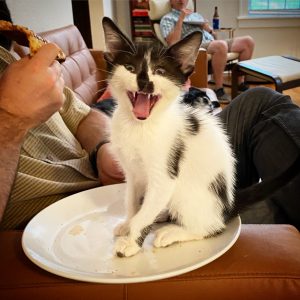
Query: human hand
206, 26
185, 12
108, 169
31, 89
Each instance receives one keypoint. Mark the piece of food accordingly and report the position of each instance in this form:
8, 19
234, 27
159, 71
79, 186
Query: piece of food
26, 37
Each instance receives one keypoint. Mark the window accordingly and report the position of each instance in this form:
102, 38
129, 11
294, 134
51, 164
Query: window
274, 7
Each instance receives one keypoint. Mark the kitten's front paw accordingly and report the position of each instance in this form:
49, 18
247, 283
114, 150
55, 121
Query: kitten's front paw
122, 229
125, 247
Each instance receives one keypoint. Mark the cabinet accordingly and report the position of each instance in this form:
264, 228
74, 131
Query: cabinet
141, 28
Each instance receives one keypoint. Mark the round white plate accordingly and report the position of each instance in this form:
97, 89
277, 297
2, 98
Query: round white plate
194, 22
73, 238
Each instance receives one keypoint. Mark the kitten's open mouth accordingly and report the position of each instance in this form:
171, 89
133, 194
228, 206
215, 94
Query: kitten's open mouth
142, 103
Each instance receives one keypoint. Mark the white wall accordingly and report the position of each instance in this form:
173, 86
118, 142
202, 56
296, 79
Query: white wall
117, 10
272, 36
98, 9
122, 15
41, 15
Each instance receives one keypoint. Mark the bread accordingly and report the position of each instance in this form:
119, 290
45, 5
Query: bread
26, 37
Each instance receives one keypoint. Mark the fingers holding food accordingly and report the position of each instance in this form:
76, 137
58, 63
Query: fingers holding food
26, 37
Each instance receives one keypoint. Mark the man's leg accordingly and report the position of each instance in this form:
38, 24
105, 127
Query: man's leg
263, 126
218, 49
244, 46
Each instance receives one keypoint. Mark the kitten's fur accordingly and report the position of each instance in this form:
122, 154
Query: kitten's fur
176, 157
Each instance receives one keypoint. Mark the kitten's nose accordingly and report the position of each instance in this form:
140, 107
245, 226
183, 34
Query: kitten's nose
146, 86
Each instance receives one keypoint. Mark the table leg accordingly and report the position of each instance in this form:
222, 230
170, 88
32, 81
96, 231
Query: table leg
234, 80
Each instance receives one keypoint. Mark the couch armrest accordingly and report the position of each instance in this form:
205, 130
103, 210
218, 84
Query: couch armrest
264, 263
199, 77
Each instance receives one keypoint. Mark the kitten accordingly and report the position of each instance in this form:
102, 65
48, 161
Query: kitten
176, 157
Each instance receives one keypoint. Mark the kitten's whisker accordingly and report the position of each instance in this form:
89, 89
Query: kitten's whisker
101, 90
110, 72
98, 81
104, 70
123, 51
162, 51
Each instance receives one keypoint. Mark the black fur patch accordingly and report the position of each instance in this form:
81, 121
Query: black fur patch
175, 156
219, 187
144, 233
192, 124
144, 84
196, 97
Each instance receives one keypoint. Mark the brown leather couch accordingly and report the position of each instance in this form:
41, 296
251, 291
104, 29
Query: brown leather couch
264, 263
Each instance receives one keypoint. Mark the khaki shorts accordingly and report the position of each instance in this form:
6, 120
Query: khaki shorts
229, 43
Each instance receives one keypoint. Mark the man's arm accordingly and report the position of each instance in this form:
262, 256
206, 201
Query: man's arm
11, 137
91, 131
30, 92
175, 35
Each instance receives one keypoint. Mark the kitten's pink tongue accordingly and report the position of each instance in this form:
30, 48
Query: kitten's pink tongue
141, 107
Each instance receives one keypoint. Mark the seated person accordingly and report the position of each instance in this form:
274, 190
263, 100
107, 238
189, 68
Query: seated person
174, 28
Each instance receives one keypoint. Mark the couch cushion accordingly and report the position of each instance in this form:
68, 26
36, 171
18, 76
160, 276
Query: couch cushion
79, 69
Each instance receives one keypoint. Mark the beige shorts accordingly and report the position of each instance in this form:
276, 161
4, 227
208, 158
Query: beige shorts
229, 43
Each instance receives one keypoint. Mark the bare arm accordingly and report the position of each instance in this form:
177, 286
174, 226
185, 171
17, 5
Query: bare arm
209, 29
11, 138
91, 131
175, 35
30, 92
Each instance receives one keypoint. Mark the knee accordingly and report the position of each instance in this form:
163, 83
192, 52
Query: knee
249, 42
219, 47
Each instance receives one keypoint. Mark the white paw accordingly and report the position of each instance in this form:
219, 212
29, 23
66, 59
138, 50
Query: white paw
165, 236
125, 247
122, 229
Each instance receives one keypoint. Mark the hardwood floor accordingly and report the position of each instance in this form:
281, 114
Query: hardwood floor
293, 93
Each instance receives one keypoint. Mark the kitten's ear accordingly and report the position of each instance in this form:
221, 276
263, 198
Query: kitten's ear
186, 51
115, 39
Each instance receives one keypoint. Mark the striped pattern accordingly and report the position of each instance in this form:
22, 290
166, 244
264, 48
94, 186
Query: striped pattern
169, 21
52, 163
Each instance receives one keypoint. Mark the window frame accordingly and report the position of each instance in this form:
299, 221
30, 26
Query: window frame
244, 4
246, 20
283, 12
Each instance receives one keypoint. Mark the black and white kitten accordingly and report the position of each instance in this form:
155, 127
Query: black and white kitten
176, 157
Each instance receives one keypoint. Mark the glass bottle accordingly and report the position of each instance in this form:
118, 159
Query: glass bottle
216, 19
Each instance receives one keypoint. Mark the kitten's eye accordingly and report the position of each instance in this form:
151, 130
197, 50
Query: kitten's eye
159, 71
130, 68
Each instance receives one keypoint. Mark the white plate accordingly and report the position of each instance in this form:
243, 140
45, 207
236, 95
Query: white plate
73, 238
194, 22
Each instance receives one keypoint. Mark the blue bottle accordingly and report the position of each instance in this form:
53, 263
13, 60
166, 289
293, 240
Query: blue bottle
216, 19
